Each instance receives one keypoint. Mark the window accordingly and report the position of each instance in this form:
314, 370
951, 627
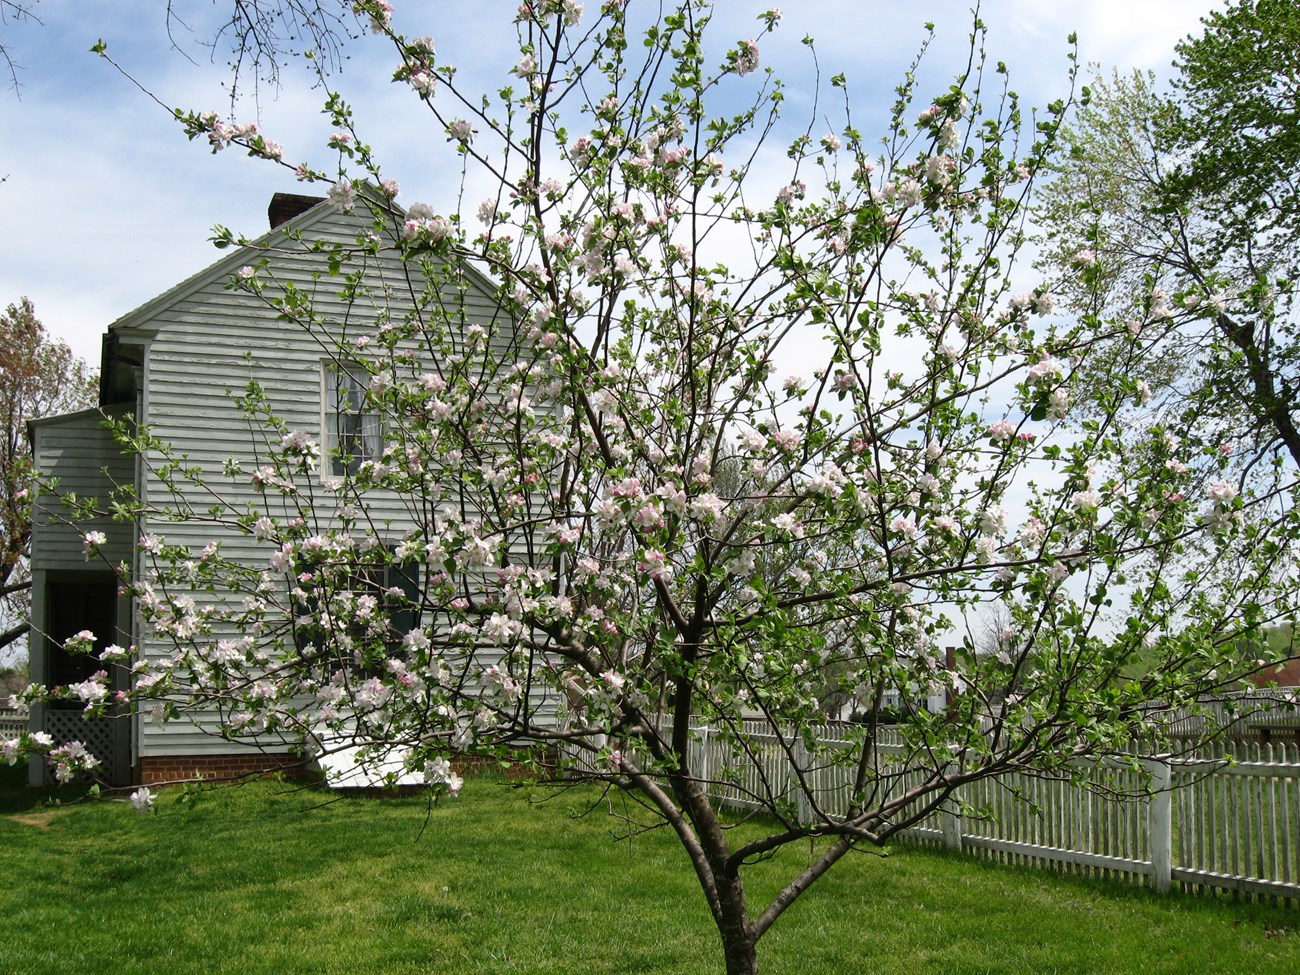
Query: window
351, 428
355, 608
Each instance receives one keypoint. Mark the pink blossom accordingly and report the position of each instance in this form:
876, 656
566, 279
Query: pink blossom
1033, 531
1045, 368
1059, 401
786, 440
654, 564
218, 135
629, 487
745, 59
708, 507
939, 170
342, 196
1001, 430
581, 148
649, 516
1222, 492
829, 481
791, 191
381, 16
993, 519
460, 130
566, 534
501, 628
905, 526
439, 772
788, 523
1088, 500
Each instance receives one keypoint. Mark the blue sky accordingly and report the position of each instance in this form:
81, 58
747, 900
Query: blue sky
107, 204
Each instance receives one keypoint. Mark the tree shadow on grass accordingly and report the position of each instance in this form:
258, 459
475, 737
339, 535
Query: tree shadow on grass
17, 797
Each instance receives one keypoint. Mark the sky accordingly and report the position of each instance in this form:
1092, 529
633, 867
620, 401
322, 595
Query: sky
106, 204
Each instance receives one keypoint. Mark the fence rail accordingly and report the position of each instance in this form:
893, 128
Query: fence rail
1226, 820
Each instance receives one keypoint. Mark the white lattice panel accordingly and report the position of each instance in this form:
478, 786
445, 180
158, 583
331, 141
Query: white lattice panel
99, 735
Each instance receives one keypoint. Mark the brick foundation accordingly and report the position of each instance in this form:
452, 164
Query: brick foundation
167, 769
176, 768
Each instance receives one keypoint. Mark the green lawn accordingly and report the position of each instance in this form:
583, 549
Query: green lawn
267, 879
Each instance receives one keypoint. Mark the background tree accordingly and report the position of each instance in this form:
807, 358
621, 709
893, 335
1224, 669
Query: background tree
11, 12
594, 577
260, 37
1186, 202
39, 376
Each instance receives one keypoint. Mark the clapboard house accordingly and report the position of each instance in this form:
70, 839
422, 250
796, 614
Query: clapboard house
176, 366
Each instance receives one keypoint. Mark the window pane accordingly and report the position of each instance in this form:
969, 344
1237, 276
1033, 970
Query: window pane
353, 432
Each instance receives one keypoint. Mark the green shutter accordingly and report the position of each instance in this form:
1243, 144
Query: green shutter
405, 615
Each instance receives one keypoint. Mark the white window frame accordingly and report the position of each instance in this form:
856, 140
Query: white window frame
353, 430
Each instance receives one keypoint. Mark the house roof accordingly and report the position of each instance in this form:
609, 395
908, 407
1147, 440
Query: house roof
133, 329
217, 271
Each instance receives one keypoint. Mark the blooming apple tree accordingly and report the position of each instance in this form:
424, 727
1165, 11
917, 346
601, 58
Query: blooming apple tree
745, 427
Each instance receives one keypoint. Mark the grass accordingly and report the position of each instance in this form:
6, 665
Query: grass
268, 879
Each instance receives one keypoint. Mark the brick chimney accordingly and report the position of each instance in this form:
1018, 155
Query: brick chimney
286, 206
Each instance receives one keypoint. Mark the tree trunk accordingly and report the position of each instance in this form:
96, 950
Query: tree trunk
741, 957
738, 939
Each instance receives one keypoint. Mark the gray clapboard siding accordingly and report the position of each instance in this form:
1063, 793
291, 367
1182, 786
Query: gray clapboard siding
205, 343
76, 450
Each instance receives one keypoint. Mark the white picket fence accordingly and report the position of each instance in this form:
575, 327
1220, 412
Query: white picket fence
1260, 714
1228, 820
12, 723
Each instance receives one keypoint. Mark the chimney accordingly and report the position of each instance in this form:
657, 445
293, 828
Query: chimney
286, 206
